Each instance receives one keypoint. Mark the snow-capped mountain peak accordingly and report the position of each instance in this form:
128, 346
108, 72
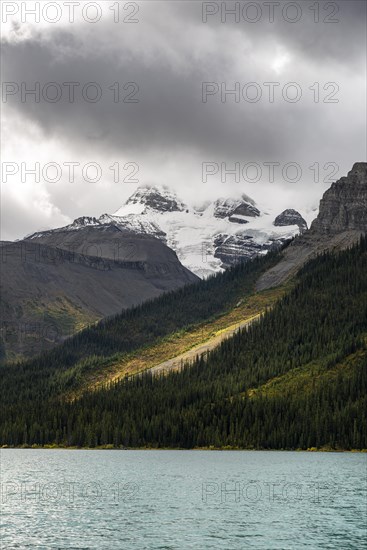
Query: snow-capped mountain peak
244, 206
147, 198
207, 239
83, 221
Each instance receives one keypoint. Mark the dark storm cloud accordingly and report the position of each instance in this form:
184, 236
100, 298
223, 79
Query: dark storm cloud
169, 54
170, 113
338, 36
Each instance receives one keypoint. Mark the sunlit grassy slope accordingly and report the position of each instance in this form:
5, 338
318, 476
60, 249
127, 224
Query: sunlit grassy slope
176, 343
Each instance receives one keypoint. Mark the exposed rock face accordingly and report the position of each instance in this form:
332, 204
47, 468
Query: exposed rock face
237, 219
344, 205
155, 199
341, 221
291, 217
226, 208
244, 246
231, 249
85, 221
246, 209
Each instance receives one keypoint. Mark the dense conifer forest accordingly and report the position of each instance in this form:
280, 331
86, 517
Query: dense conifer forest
141, 326
296, 379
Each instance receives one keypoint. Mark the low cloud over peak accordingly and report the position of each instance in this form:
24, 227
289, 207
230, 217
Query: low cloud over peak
164, 95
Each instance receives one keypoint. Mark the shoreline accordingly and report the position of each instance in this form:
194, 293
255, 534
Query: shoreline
210, 448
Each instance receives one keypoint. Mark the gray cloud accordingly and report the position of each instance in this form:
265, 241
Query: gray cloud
169, 54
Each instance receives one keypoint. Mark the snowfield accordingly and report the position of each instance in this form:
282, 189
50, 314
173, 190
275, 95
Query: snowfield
206, 238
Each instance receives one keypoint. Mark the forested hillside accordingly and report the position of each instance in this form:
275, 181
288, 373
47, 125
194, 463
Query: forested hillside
62, 368
296, 379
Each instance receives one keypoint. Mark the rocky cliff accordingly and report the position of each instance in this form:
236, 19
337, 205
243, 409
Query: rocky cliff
291, 217
344, 206
341, 221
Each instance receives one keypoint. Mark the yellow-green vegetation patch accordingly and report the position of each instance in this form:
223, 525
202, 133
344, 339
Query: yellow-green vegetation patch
304, 379
175, 344
68, 317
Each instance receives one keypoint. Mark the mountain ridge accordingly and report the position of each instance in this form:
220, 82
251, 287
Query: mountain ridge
206, 238
341, 221
65, 280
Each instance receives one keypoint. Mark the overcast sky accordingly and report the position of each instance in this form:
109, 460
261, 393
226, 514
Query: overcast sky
167, 123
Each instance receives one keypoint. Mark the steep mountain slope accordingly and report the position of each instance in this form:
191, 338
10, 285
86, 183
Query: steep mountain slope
95, 267
55, 285
207, 238
110, 340
295, 379
74, 274
342, 219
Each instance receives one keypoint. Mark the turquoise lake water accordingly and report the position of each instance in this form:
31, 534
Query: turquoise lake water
170, 500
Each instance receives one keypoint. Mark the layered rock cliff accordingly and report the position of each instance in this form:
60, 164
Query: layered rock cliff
344, 206
341, 221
